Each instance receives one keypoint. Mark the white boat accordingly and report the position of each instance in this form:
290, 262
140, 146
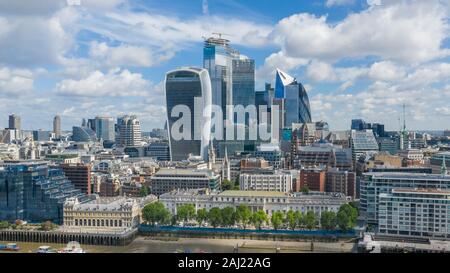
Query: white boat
45, 249
72, 247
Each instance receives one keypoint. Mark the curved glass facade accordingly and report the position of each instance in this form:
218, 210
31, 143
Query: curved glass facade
183, 86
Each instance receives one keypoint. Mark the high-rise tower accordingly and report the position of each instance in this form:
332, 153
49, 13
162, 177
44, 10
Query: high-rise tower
57, 126
188, 87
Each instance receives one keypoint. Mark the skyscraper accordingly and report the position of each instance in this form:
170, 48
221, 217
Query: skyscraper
104, 128
183, 87
14, 122
296, 102
129, 129
57, 126
218, 58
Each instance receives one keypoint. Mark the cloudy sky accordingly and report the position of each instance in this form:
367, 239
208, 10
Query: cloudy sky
356, 58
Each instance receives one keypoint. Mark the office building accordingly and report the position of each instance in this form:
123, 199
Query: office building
374, 184
296, 102
104, 128
268, 201
14, 122
80, 176
418, 213
188, 86
363, 143
281, 182
57, 126
129, 129
167, 180
312, 179
158, 150
322, 156
341, 181
34, 192
83, 134
42, 135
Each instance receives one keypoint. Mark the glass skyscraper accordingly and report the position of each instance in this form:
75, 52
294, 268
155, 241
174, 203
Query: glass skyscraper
232, 75
296, 102
104, 128
182, 87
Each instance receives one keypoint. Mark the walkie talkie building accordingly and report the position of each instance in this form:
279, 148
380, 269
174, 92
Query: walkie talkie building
183, 87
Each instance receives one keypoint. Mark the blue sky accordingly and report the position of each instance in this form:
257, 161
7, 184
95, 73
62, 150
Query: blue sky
356, 58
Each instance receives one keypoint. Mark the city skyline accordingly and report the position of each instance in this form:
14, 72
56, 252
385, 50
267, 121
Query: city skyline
87, 66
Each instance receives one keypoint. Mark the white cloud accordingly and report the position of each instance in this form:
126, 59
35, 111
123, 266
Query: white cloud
320, 71
115, 83
274, 61
331, 3
407, 31
15, 81
122, 55
386, 71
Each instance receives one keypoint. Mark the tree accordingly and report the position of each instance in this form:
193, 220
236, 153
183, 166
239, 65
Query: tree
144, 191
47, 226
227, 185
185, 212
156, 213
258, 218
305, 189
243, 215
328, 220
202, 216
310, 220
228, 216
4, 225
215, 217
291, 220
346, 217
300, 219
277, 219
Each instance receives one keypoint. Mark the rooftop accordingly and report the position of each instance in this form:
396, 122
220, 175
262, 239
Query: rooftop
254, 193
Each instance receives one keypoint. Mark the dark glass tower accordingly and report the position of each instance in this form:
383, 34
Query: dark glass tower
183, 86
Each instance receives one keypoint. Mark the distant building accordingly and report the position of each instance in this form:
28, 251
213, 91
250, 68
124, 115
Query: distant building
15, 122
412, 154
363, 143
80, 176
323, 156
57, 126
83, 134
281, 182
104, 128
41, 135
167, 180
313, 179
129, 132
64, 158
341, 181
158, 150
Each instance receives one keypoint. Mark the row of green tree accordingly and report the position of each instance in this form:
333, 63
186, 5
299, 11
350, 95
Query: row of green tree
345, 219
